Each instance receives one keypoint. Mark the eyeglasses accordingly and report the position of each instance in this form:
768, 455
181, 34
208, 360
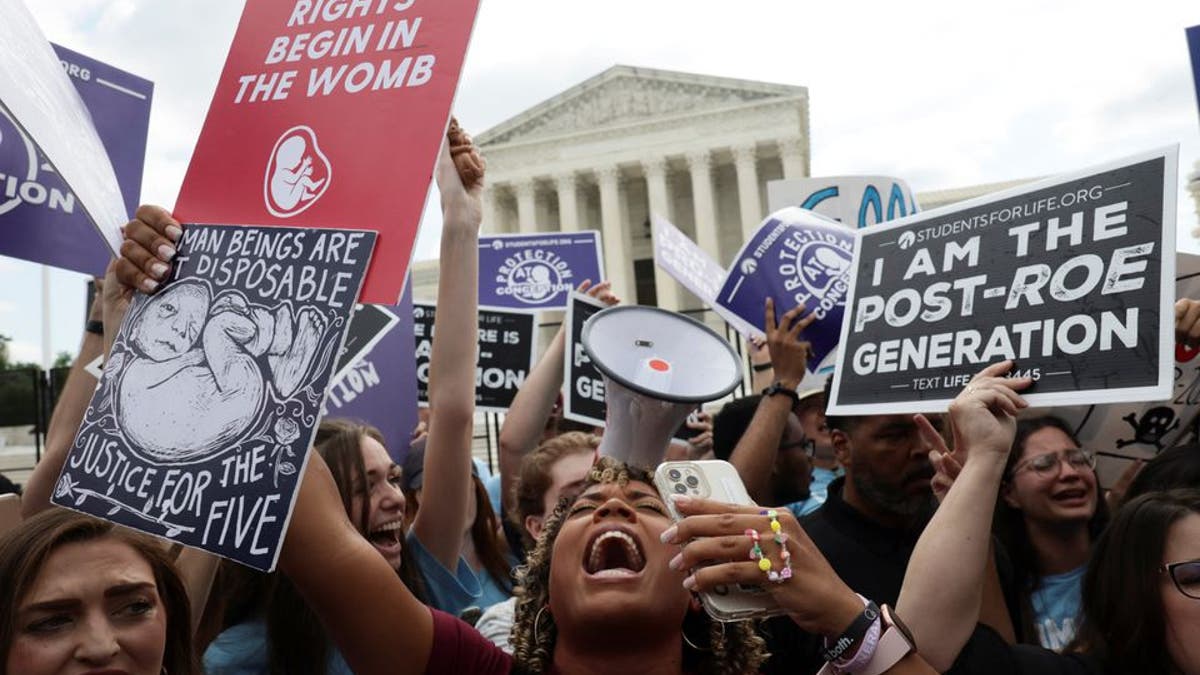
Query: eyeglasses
1186, 576
1048, 463
808, 445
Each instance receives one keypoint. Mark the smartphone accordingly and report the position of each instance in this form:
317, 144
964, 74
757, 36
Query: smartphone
719, 481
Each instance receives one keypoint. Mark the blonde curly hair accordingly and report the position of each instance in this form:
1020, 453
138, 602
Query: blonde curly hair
731, 648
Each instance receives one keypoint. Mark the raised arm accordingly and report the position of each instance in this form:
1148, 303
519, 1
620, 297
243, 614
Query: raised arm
941, 597
447, 488
754, 455
376, 622
68, 415
534, 402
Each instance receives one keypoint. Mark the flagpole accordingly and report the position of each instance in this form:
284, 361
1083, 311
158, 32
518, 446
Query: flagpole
46, 349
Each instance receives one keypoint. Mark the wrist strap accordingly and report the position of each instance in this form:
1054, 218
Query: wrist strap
94, 326
853, 634
762, 367
779, 388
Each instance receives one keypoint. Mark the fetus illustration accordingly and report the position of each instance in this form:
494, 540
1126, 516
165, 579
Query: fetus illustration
198, 369
297, 173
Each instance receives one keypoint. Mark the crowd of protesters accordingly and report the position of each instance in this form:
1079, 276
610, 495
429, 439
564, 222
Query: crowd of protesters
981, 538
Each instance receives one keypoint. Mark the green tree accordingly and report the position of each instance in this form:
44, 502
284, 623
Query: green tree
18, 393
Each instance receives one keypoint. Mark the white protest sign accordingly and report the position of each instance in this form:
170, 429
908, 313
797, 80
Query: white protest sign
1120, 433
41, 100
1070, 277
692, 267
854, 201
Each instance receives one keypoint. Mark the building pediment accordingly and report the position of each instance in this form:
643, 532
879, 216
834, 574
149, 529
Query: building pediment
623, 95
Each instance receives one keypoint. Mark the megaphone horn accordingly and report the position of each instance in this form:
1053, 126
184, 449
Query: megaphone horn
657, 366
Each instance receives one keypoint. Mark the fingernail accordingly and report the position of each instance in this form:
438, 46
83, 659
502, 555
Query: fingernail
149, 285
676, 562
690, 583
166, 252
668, 535
159, 270
681, 500
174, 233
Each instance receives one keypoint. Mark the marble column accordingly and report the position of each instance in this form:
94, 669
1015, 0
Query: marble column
568, 202
618, 263
491, 210
1193, 187
666, 289
526, 208
795, 164
700, 167
745, 159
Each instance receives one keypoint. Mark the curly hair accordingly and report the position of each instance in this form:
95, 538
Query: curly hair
732, 647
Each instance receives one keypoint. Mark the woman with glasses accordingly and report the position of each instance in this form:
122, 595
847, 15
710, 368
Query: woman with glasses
1049, 512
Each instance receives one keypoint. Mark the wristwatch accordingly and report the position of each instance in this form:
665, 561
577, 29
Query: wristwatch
779, 388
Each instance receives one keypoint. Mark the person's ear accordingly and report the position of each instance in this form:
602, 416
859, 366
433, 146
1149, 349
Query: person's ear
1006, 493
841, 446
533, 525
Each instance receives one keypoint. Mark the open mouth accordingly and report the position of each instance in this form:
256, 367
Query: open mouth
388, 537
614, 553
1070, 495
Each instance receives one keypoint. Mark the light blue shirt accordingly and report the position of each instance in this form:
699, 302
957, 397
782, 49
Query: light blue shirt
1056, 608
452, 593
818, 490
241, 649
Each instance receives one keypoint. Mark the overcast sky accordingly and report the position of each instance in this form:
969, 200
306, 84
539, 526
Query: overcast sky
942, 94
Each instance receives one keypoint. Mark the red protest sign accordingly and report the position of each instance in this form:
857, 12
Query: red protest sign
330, 113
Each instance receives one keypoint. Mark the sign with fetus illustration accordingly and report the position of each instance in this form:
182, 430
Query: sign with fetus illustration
200, 427
331, 114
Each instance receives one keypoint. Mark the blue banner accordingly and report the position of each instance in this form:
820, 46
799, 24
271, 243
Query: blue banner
795, 256
532, 272
40, 218
1193, 40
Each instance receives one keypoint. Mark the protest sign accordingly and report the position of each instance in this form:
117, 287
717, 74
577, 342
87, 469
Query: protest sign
40, 101
331, 114
379, 387
507, 346
794, 257
691, 266
1120, 433
40, 218
1064, 276
368, 325
531, 272
200, 428
854, 201
583, 383
1193, 40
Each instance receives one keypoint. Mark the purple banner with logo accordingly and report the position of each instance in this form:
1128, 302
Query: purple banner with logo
380, 386
795, 256
532, 272
40, 218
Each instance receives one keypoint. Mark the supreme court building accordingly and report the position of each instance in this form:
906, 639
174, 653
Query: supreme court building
606, 153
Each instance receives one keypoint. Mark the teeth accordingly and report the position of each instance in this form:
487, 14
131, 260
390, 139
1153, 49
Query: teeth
394, 525
635, 558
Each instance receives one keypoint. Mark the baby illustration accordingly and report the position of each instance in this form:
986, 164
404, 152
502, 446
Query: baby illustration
190, 353
291, 182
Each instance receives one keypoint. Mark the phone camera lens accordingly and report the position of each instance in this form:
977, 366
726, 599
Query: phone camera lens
680, 488
674, 474
692, 481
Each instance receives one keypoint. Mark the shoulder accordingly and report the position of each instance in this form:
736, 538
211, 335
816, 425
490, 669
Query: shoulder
458, 648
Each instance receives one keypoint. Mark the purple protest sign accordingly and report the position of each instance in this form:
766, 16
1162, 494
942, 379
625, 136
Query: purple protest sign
1193, 40
40, 218
795, 256
532, 272
380, 387
694, 268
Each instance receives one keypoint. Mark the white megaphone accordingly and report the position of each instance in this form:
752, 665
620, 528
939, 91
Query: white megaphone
658, 366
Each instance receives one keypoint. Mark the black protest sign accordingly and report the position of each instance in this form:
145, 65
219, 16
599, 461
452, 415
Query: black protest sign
1072, 278
583, 384
367, 327
200, 428
506, 354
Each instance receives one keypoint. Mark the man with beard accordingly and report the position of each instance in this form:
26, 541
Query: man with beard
873, 515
